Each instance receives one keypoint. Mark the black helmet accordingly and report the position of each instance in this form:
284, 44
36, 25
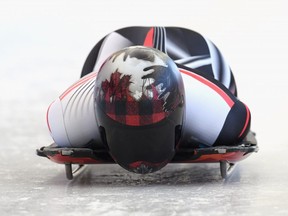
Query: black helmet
139, 102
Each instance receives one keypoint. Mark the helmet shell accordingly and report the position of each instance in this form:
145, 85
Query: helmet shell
139, 94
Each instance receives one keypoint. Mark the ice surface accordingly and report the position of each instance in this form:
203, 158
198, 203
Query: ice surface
42, 49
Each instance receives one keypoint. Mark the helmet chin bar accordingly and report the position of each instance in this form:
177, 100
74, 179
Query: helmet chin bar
144, 167
142, 149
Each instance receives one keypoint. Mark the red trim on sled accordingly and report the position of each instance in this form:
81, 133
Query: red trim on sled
58, 158
230, 157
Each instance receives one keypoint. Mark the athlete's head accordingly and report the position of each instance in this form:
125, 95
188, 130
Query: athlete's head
139, 102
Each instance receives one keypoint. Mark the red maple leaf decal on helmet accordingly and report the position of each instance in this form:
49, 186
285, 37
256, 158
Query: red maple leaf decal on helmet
117, 88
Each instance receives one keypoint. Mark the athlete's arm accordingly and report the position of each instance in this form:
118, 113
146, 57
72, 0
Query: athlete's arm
71, 117
214, 116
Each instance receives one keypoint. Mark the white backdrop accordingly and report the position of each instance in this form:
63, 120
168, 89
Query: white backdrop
43, 45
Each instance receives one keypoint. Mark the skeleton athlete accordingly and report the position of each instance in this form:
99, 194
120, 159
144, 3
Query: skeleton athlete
146, 92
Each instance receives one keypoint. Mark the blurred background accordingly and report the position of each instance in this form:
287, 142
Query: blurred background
43, 45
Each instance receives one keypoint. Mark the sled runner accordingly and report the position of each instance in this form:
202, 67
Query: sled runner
226, 156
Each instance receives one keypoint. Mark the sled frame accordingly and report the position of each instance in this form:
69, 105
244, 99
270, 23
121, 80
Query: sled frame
226, 156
